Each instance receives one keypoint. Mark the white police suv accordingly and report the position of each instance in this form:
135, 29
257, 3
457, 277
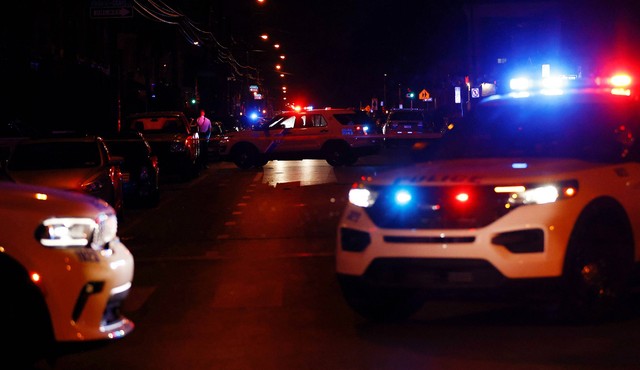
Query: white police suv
340, 136
535, 193
64, 274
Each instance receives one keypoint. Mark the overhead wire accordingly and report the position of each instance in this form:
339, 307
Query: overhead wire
158, 11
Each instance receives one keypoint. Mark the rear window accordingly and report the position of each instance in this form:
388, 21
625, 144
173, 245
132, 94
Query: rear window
406, 116
128, 148
158, 125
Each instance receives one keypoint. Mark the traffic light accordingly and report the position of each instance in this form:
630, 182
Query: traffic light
410, 94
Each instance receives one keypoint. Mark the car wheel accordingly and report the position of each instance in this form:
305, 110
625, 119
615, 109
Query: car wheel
338, 154
351, 160
380, 304
598, 266
27, 331
245, 156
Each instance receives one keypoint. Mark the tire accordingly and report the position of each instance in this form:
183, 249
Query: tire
27, 332
352, 160
380, 304
598, 266
245, 156
338, 154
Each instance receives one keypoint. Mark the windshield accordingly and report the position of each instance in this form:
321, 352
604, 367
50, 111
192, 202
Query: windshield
406, 116
590, 131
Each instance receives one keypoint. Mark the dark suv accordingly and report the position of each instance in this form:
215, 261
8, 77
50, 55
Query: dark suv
409, 125
140, 171
172, 139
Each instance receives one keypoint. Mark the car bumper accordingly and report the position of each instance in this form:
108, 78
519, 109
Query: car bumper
457, 257
96, 285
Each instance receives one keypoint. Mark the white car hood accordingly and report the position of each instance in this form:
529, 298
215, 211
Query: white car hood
47, 202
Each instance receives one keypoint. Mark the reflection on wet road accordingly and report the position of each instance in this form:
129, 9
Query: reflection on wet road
317, 171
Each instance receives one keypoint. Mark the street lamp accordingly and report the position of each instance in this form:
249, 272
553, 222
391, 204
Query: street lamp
384, 90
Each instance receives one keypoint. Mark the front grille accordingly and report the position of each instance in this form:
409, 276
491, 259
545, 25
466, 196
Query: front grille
429, 239
437, 208
436, 273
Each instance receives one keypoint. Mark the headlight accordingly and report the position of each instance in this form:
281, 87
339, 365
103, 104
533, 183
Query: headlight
362, 197
539, 193
65, 232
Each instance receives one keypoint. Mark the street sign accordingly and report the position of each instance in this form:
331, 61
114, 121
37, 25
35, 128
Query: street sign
123, 12
475, 92
111, 9
424, 95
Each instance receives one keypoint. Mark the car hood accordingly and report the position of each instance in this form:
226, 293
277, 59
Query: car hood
481, 171
48, 202
66, 179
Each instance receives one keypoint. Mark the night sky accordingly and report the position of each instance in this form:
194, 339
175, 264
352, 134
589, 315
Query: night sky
339, 51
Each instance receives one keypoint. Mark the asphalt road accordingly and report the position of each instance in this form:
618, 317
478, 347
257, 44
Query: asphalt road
235, 270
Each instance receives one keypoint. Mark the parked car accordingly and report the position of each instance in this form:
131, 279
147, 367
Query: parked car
140, 170
532, 196
173, 140
407, 126
79, 163
64, 273
339, 136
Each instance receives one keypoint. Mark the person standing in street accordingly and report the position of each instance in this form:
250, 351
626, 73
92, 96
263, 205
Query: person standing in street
204, 132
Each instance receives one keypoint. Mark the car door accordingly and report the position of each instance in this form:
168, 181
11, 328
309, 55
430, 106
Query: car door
308, 134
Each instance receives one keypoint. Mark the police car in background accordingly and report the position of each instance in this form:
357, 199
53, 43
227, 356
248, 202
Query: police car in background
64, 274
536, 193
340, 136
